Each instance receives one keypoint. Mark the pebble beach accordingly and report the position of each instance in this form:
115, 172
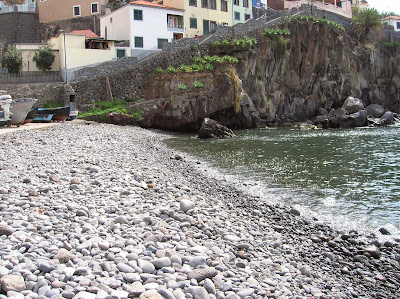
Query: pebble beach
101, 211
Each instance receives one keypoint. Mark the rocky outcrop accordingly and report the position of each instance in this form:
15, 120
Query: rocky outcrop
180, 102
212, 129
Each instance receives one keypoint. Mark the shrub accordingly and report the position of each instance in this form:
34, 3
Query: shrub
208, 67
366, 21
171, 69
182, 86
13, 59
184, 68
198, 84
304, 46
229, 59
159, 70
44, 58
196, 67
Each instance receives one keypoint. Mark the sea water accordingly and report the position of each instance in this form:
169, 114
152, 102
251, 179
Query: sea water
350, 177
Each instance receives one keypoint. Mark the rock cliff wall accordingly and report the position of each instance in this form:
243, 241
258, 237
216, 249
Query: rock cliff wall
320, 68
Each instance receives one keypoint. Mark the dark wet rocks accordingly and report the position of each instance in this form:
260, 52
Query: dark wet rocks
190, 236
212, 129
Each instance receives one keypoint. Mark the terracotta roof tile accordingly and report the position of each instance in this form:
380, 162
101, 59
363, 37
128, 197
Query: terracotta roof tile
88, 33
153, 4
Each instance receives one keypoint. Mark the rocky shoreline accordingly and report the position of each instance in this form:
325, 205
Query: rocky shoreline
101, 211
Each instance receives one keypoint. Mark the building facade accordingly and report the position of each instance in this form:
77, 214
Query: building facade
202, 16
392, 21
56, 10
144, 26
241, 11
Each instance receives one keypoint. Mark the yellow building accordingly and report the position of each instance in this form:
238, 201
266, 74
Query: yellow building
73, 51
202, 16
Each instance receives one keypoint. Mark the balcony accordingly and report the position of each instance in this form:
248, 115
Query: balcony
18, 8
175, 23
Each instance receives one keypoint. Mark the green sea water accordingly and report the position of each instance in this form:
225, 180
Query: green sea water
348, 177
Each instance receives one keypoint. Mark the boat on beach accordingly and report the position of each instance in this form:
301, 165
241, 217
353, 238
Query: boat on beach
5, 114
31, 115
73, 114
19, 109
43, 118
59, 113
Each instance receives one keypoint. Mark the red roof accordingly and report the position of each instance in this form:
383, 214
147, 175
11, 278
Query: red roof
87, 32
153, 4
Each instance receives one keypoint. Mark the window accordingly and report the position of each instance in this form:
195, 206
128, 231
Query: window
236, 2
237, 16
138, 42
193, 2
224, 5
213, 4
398, 25
138, 14
120, 53
110, 20
77, 10
193, 23
160, 41
246, 17
204, 3
245, 3
95, 7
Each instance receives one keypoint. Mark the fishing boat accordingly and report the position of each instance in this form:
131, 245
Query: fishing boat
31, 115
59, 113
19, 109
43, 118
73, 114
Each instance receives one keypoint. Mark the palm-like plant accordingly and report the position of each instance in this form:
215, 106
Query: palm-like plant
367, 21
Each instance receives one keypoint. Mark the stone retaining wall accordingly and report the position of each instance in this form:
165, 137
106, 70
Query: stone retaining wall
19, 27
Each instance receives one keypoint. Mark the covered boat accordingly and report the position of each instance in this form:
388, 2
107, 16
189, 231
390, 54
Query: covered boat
31, 115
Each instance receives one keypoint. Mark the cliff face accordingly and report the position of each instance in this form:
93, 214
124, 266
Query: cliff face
285, 79
319, 69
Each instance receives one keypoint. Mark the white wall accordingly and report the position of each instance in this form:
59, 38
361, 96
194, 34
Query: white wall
117, 24
153, 27
393, 22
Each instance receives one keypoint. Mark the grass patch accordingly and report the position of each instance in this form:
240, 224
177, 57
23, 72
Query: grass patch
53, 104
100, 109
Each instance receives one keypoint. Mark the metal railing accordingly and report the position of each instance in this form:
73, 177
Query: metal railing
30, 78
18, 8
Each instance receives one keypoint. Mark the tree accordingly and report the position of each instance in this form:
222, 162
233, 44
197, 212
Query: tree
367, 21
44, 58
13, 59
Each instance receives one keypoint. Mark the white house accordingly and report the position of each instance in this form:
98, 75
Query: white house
142, 27
392, 21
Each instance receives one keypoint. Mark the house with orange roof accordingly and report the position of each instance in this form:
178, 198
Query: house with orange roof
73, 51
142, 27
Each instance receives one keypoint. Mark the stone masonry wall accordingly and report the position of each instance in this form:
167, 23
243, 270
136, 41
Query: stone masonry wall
19, 27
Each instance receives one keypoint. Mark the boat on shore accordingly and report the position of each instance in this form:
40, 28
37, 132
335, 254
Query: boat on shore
73, 114
43, 118
19, 109
31, 115
59, 113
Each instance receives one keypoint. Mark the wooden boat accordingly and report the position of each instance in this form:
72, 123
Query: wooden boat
19, 109
5, 103
31, 115
43, 118
59, 113
73, 114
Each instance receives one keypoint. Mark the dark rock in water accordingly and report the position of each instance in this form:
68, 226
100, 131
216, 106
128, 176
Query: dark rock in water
357, 119
353, 105
327, 121
119, 119
375, 110
212, 129
294, 212
384, 231
387, 118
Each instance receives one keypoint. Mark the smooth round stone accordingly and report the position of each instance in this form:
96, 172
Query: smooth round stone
94, 169
4, 271
46, 267
104, 245
176, 259
209, 286
186, 205
6, 230
294, 212
197, 292
125, 268
197, 261
305, 270
148, 267
245, 292
75, 181
12, 283
121, 219
162, 262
